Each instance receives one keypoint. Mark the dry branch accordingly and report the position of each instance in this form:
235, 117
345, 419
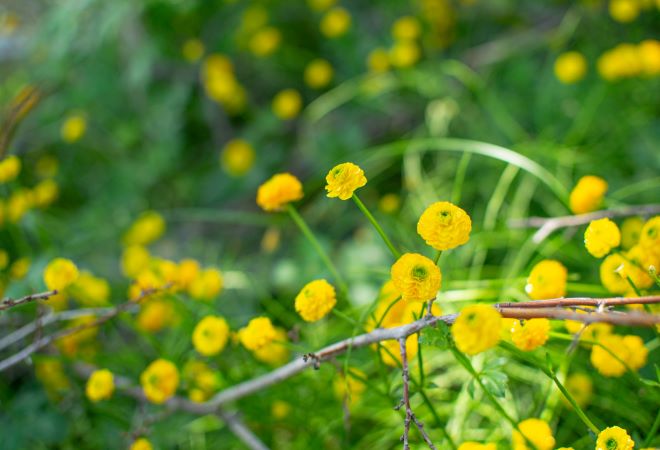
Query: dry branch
10, 302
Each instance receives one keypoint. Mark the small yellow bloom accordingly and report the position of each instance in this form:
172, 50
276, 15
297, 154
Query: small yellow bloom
19, 268
537, 431
237, 157
530, 334
258, 333
477, 329
134, 260
155, 315
638, 262
570, 67
616, 352
631, 230
351, 387
611, 274
279, 190
188, 272
141, 444
547, 280
315, 300
624, 11
318, 73
378, 60
192, 50
335, 22
100, 385
47, 166
614, 438
444, 226
287, 104
73, 128
265, 41
406, 28
160, 381
18, 205
91, 291
207, 285
389, 203
390, 351
649, 55
580, 386
416, 277
60, 273
280, 409
343, 180
601, 237
276, 352
45, 193
148, 227
321, 5
210, 335
650, 236
476, 446
404, 54
10, 167
587, 195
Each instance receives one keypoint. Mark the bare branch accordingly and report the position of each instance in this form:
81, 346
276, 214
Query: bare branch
241, 431
615, 318
581, 301
10, 302
547, 225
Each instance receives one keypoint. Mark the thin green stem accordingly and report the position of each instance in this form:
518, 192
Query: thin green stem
437, 257
376, 225
297, 218
652, 431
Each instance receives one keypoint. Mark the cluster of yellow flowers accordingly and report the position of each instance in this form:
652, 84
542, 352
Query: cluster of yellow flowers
614, 354
221, 84
202, 381
535, 430
88, 290
405, 50
258, 333
630, 60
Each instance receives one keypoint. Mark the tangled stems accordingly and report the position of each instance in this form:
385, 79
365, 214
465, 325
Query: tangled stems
297, 218
376, 225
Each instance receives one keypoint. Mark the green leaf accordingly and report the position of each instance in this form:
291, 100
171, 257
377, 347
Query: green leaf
438, 336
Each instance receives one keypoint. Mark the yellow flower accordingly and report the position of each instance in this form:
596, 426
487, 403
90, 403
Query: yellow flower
343, 180
315, 300
390, 351
141, 444
258, 333
155, 315
389, 203
404, 54
537, 431
210, 335
134, 260
318, 73
148, 227
476, 446
616, 352
46, 166
416, 277
650, 236
19, 203
10, 167
624, 11
160, 381
393, 314
530, 334
73, 128
188, 272
45, 193
622, 61
19, 268
444, 226
279, 190
351, 387
4, 259
265, 41
378, 60
60, 273
90, 290
50, 372
631, 230
477, 329
237, 157
580, 386
649, 54
601, 237
207, 285
570, 67
587, 195
321, 5
335, 22
280, 409
547, 280
614, 438
637, 264
192, 50
406, 28
611, 275
276, 352
287, 104
100, 385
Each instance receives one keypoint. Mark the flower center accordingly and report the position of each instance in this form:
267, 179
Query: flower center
611, 444
419, 272
445, 217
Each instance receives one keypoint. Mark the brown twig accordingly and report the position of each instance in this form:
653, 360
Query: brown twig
581, 301
547, 225
615, 318
10, 302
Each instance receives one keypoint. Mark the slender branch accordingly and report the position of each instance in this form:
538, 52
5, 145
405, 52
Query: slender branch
547, 225
581, 301
241, 431
615, 318
10, 302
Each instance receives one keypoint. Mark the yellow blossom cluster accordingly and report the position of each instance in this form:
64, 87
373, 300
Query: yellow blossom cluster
537, 431
202, 380
477, 329
276, 352
570, 67
147, 228
601, 237
222, 85
315, 300
630, 60
258, 333
141, 444
237, 157
335, 22
614, 354
318, 73
287, 104
416, 277
73, 128
530, 334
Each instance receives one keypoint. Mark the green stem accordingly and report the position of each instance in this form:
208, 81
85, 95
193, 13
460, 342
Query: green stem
652, 431
297, 218
378, 228
437, 257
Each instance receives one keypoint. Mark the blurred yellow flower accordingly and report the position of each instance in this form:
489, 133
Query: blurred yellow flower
318, 73
406, 28
614, 438
265, 41
601, 236
287, 104
335, 22
18, 205
638, 262
210, 335
624, 11
10, 167
416, 277
207, 285
580, 386
389, 203
20, 268
141, 444
134, 260
160, 381
477, 329
615, 352
100, 385
321, 5
570, 67
73, 128
192, 50
444, 226
91, 291
404, 54
148, 227
650, 235
649, 54
188, 271
276, 352
476, 446
279, 190
280, 409
237, 157
46, 166
587, 195
258, 333
60, 273
315, 300
378, 60
343, 179
631, 229
611, 275
45, 193
155, 314
530, 334
351, 387
547, 280
537, 431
